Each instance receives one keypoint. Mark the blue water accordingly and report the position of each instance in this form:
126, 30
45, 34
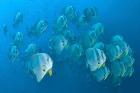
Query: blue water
118, 16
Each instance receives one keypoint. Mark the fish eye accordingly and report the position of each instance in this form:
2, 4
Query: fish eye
44, 70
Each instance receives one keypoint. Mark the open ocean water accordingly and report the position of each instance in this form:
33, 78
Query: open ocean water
118, 17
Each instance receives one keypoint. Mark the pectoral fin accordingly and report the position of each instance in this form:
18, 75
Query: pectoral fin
50, 72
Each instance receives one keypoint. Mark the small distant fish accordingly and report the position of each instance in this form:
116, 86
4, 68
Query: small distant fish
114, 52
70, 13
89, 13
58, 43
89, 39
76, 50
13, 53
60, 24
118, 69
98, 28
5, 29
18, 19
101, 74
18, 39
38, 28
30, 50
87, 17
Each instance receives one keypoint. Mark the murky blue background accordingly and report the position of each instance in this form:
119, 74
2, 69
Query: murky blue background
118, 16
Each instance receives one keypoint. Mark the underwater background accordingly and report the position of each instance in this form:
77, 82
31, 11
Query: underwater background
118, 17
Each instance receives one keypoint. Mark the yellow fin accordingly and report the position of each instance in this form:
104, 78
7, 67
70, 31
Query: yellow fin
103, 65
50, 72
